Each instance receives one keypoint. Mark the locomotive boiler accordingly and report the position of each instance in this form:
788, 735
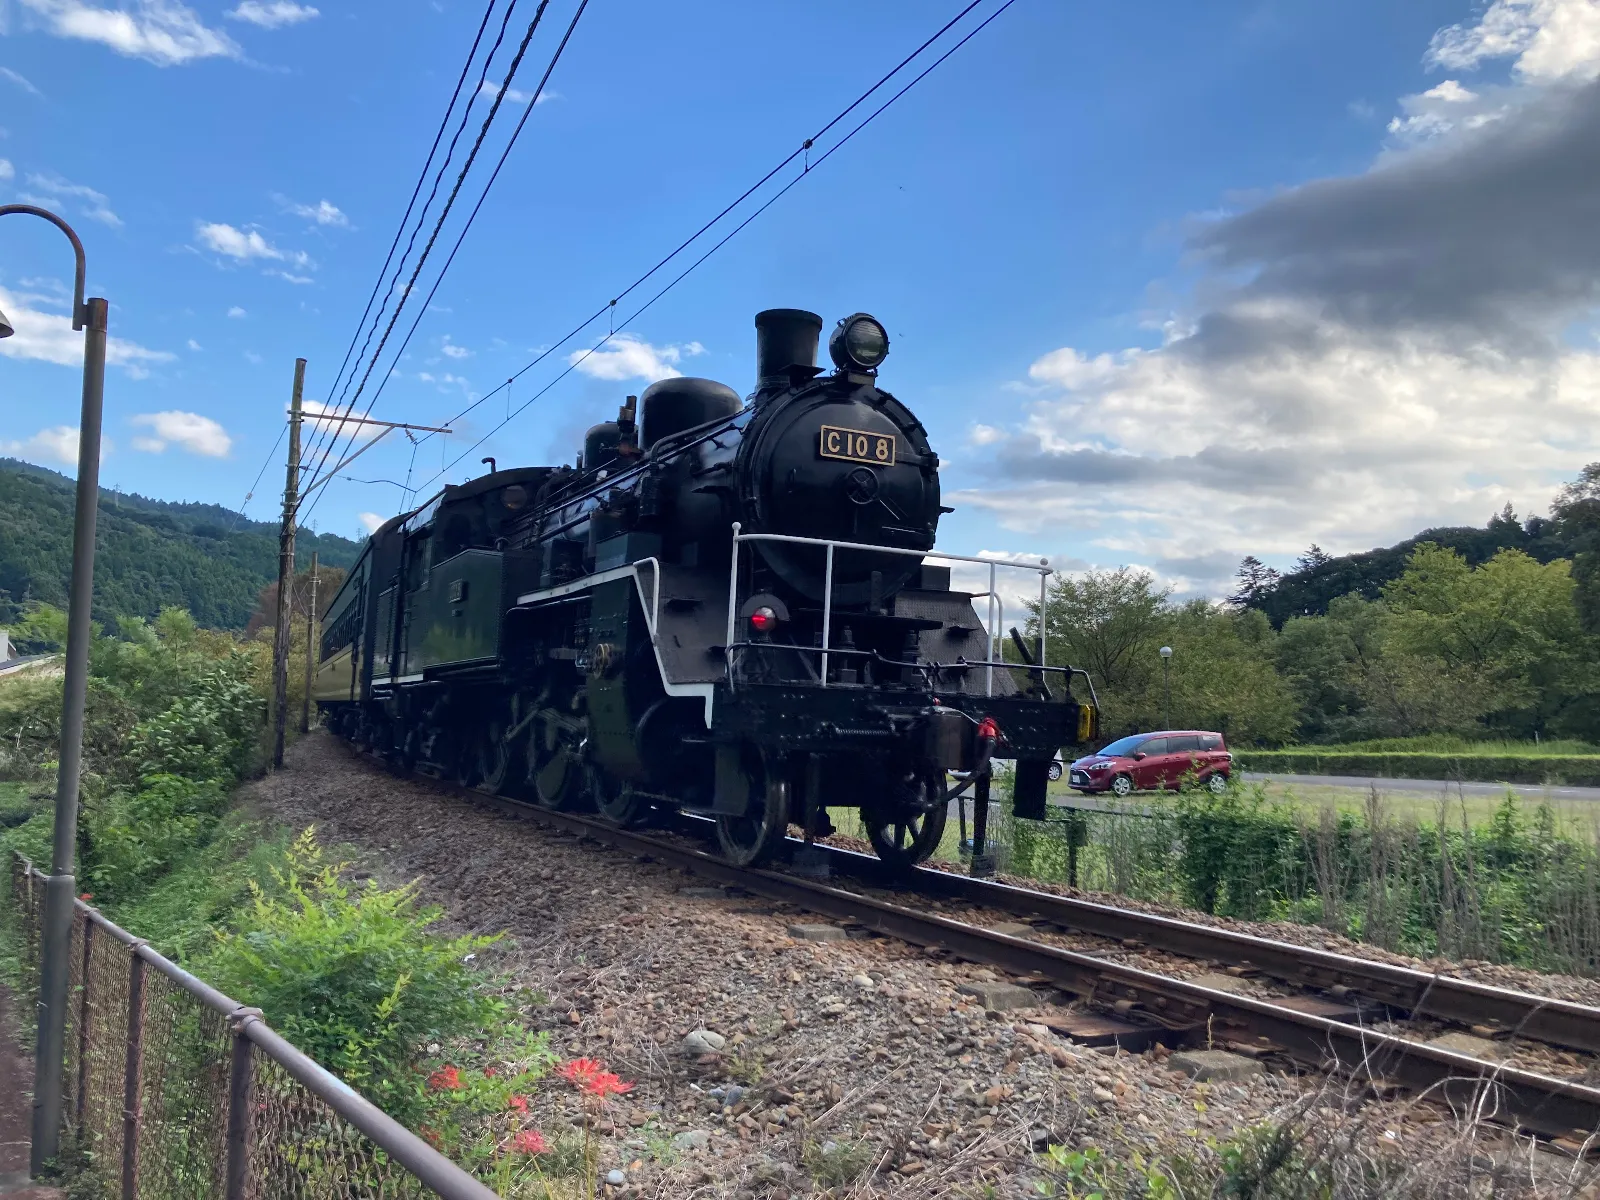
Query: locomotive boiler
728, 605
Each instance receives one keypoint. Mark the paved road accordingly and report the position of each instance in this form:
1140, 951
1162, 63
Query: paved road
1429, 785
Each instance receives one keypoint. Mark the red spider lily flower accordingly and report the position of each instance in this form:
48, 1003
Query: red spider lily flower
520, 1103
579, 1071
445, 1079
529, 1141
606, 1084
429, 1135
489, 1072
86, 897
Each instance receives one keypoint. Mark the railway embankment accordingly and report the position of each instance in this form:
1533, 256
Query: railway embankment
773, 1053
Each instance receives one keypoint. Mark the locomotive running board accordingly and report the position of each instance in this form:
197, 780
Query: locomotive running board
651, 605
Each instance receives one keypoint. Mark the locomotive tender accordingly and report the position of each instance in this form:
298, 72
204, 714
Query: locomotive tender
728, 606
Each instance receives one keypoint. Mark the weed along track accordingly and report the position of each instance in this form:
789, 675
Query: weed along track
1119, 1004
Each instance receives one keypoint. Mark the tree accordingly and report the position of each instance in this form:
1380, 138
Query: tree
1576, 516
1313, 558
1256, 579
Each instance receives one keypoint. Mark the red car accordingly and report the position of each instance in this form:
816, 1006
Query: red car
1145, 761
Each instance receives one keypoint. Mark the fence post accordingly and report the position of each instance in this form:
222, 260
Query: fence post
83, 1026
133, 1075
240, 1101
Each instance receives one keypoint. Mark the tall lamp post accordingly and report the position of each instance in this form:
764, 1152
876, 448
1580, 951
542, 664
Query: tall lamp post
1166, 684
56, 942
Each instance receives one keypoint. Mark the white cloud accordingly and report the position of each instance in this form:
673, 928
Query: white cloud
237, 313
1551, 39
273, 14
628, 357
251, 357
163, 32
514, 96
1367, 355
91, 203
191, 431
370, 521
24, 84
49, 337
58, 444
450, 350
243, 244
7, 171
322, 212
290, 276
194, 345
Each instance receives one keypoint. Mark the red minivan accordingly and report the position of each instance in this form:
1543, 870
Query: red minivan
1144, 761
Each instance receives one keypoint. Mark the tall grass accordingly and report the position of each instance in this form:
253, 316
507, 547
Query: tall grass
1514, 887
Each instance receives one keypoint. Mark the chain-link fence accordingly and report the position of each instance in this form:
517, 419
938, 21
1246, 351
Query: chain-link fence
174, 1091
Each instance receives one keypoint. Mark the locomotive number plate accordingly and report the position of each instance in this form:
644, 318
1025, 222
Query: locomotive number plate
856, 445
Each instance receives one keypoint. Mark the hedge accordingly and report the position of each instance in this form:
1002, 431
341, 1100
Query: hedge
1574, 770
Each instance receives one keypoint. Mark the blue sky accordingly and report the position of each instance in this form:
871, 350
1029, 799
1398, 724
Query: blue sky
1168, 283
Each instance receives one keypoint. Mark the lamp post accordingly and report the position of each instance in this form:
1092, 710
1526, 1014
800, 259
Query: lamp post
56, 940
1166, 683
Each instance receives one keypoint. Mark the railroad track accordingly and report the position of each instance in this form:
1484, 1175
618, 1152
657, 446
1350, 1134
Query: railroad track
1137, 1003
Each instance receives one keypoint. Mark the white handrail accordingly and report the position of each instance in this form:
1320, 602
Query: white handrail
997, 608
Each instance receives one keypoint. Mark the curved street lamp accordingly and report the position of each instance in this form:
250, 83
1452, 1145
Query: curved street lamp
56, 942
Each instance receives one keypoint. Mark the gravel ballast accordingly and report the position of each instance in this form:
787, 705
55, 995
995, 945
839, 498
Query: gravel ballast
770, 1062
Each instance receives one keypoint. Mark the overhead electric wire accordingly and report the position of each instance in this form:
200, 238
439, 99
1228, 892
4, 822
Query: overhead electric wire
267, 462
742, 197
725, 239
422, 175
505, 153
444, 213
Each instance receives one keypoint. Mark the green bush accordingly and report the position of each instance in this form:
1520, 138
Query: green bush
352, 976
1579, 770
134, 836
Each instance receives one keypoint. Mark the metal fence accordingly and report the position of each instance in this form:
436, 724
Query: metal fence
173, 1090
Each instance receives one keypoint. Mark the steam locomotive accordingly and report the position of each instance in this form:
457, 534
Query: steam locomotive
727, 606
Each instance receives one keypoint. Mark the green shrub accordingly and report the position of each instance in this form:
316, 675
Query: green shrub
134, 836
351, 975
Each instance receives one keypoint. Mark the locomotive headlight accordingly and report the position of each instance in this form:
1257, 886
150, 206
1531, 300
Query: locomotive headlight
763, 620
859, 342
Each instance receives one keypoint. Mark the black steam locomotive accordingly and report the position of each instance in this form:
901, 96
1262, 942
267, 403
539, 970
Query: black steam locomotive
725, 606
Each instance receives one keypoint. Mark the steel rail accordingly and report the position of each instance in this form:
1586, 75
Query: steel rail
1554, 1108
1420, 993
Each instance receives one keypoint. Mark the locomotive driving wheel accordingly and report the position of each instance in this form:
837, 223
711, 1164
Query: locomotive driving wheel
751, 839
616, 800
496, 757
556, 770
905, 826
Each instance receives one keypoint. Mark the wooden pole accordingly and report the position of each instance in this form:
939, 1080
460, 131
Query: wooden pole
311, 648
280, 636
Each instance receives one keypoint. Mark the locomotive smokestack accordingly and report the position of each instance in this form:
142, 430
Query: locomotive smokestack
785, 338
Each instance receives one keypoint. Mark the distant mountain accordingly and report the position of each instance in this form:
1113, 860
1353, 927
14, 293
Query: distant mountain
1307, 591
149, 553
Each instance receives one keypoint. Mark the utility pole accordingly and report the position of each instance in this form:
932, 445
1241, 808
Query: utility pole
280, 635
311, 648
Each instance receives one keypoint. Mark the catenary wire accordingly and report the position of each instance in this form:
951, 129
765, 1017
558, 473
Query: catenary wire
267, 462
743, 196
692, 266
422, 175
505, 153
444, 213
803, 148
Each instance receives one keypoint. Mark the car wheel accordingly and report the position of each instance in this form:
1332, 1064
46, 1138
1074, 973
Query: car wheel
1055, 771
1218, 783
1122, 785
